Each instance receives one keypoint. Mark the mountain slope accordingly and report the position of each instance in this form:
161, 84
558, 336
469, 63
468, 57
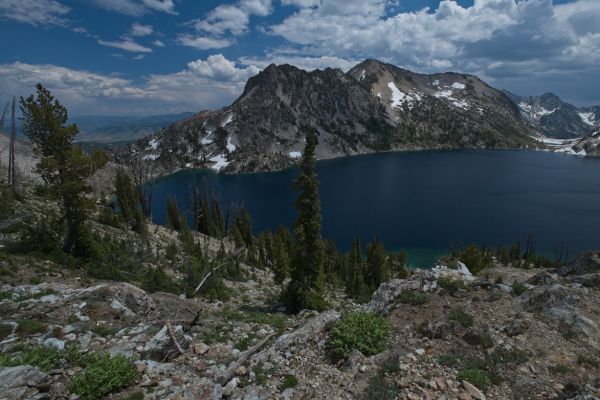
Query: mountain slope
374, 107
555, 118
105, 129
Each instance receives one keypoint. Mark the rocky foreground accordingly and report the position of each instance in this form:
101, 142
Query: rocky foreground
533, 332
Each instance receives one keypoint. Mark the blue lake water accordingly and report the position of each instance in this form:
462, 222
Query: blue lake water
424, 202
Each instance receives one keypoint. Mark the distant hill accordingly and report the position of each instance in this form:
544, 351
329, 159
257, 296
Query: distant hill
109, 129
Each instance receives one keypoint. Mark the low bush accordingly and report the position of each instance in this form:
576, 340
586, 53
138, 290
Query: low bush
102, 375
30, 327
518, 288
451, 285
362, 331
5, 331
413, 298
462, 317
38, 356
560, 369
289, 382
584, 360
475, 376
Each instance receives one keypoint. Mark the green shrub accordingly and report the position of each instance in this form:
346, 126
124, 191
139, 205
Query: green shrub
39, 356
475, 376
451, 285
474, 258
104, 330
507, 356
413, 298
518, 288
583, 359
290, 381
462, 317
103, 374
5, 295
30, 326
380, 389
362, 331
560, 369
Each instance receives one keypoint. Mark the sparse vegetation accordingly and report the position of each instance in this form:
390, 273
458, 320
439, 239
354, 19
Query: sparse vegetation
413, 297
38, 356
462, 317
290, 381
102, 375
362, 331
29, 327
451, 285
475, 376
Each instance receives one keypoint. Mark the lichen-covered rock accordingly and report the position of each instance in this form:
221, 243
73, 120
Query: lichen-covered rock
161, 347
385, 296
23, 382
586, 263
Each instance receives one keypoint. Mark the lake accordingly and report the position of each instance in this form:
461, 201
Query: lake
425, 202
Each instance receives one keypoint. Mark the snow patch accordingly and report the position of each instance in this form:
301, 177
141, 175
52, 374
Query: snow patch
535, 112
227, 120
588, 118
444, 93
220, 161
230, 146
458, 85
362, 75
205, 141
154, 144
436, 82
399, 97
152, 157
295, 154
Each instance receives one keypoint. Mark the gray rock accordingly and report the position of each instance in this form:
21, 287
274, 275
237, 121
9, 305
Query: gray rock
22, 382
516, 326
587, 262
441, 329
161, 346
385, 296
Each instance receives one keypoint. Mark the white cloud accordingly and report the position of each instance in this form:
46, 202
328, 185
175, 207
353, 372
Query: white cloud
225, 19
141, 30
203, 83
158, 43
34, 12
203, 42
127, 45
492, 38
136, 7
166, 6
306, 63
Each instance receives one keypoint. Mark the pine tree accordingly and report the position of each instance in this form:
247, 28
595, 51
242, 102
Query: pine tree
174, 219
378, 269
355, 285
63, 167
127, 200
305, 289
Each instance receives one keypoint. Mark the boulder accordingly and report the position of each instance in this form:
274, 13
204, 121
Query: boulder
23, 382
161, 347
385, 296
587, 262
516, 326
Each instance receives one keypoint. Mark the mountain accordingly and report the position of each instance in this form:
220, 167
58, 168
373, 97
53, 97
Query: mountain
555, 118
374, 107
106, 129
588, 145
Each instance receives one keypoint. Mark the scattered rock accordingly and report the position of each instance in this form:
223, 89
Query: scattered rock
473, 391
22, 382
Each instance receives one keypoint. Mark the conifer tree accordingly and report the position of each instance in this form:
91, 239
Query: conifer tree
305, 289
378, 269
174, 219
63, 167
127, 201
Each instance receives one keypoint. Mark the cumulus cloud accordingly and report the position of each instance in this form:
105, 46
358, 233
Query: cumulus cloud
34, 12
203, 83
158, 43
303, 62
225, 19
141, 30
136, 7
496, 39
127, 45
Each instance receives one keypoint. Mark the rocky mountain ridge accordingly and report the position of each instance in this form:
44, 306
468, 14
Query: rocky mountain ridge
374, 107
556, 118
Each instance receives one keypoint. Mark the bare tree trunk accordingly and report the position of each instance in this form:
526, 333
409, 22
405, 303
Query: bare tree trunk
12, 171
143, 173
2, 118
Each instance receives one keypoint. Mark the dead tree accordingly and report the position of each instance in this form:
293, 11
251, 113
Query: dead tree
3, 116
12, 171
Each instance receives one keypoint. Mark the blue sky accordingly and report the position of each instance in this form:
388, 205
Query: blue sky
111, 57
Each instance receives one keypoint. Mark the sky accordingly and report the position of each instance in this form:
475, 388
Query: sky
148, 57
